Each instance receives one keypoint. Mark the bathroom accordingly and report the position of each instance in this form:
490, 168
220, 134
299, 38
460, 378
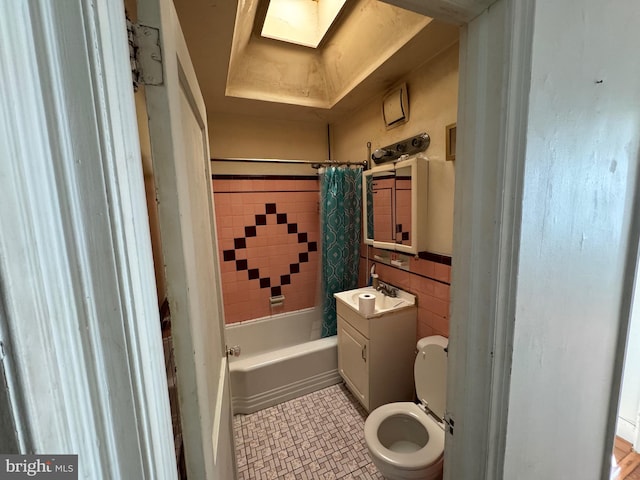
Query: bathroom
267, 209
248, 135
272, 296
545, 240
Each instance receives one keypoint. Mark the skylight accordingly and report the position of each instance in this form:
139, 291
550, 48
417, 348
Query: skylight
303, 22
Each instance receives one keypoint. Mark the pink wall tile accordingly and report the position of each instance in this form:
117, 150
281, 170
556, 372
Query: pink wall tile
272, 249
225, 233
220, 186
228, 277
363, 273
237, 221
431, 289
222, 200
424, 330
438, 323
442, 272
237, 209
422, 267
226, 267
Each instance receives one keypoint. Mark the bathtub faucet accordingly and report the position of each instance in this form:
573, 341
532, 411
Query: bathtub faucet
387, 289
233, 351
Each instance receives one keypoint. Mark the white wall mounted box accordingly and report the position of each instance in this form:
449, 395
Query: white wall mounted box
395, 107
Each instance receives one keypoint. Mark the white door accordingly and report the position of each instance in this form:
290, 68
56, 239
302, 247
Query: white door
179, 147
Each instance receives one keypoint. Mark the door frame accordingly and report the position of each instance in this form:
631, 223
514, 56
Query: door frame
80, 333
494, 76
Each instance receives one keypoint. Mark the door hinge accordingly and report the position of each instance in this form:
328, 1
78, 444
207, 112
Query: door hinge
144, 54
448, 419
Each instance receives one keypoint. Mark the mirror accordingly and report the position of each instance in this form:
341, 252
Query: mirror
380, 192
391, 206
403, 206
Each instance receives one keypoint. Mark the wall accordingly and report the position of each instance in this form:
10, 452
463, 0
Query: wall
433, 103
243, 190
428, 279
268, 241
582, 154
242, 136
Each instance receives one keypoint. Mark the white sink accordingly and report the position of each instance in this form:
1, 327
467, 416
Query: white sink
384, 303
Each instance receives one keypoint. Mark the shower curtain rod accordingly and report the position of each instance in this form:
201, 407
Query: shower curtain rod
313, 164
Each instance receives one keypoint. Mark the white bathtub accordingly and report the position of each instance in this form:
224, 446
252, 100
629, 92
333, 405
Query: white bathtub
281, 357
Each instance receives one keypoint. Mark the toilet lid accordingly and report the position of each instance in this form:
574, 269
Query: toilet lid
430, 372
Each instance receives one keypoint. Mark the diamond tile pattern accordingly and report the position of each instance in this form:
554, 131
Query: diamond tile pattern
240, 243
317, 436
267, 221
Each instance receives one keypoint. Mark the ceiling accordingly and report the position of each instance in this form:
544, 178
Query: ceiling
370, 48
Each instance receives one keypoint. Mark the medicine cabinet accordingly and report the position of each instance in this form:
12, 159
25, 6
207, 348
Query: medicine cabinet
395, 205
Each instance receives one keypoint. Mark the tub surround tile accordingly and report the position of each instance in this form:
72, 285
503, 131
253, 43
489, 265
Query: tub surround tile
270, 239
317, 436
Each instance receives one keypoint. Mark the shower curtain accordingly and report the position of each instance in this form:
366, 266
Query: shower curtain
340, 201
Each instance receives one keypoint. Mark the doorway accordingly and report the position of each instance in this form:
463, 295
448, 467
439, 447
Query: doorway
626, 459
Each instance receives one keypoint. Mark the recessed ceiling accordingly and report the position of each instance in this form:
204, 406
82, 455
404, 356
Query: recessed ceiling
301, 22
371, 47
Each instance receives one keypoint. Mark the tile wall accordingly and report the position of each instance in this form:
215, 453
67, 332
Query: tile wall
268, 242
429, 278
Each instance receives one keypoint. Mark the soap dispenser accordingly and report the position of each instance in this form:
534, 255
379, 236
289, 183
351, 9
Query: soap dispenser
373, 278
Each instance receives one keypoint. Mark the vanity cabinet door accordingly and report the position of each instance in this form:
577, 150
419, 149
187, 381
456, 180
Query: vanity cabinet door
353, 360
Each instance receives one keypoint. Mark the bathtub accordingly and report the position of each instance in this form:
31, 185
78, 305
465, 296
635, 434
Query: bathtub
281, 357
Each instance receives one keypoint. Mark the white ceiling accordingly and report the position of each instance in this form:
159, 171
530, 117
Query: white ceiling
388, 42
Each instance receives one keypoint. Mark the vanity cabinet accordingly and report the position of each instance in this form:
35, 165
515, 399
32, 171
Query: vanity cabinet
376, 355
395, 205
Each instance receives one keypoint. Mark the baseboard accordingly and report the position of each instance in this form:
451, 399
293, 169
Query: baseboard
626, 430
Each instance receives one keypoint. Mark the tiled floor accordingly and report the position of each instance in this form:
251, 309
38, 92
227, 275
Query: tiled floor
318, 436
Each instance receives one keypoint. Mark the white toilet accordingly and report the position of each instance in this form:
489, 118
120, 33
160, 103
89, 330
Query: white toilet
404, 439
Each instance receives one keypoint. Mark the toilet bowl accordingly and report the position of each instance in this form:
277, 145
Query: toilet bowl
405, 439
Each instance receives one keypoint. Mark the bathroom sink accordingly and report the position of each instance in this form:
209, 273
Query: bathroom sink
384, 303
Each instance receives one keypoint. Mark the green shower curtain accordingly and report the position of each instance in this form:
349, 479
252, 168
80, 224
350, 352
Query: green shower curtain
341, 207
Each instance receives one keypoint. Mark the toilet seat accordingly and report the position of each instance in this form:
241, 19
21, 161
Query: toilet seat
421, 458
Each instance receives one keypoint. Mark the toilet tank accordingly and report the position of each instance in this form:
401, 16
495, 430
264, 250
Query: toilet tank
430, 371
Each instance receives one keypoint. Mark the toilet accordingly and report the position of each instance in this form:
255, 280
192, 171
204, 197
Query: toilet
404, 438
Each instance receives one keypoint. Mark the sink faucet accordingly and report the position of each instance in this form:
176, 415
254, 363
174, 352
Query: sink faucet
387, 289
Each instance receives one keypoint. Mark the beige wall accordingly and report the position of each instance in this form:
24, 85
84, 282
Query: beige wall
433, 104
241, 136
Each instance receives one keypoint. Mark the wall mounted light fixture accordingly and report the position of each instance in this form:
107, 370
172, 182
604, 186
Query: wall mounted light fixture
409, 146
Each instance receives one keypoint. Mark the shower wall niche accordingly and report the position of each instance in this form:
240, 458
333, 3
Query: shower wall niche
268, 240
